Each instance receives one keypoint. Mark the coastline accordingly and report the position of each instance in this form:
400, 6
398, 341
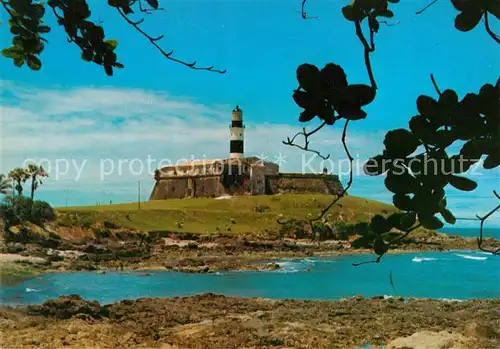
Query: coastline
191, 253
214, 321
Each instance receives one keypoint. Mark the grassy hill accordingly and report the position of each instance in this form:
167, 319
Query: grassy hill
206, 215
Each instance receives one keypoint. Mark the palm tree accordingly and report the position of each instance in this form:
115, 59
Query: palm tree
18, 176
5, 185
35, 172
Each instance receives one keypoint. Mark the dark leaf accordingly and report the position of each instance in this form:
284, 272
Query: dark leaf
304, 99
403, 202
87, 55
379, 246
421, 127
385, 13
448, 216
379, 224
13, 52
153, 3
394, 219
33, 62
308, 76
492, 161
44, 29
333, 78
358, 95
401, 183
362, 229
327, 115
488, 99
448, 100
430, 221
443, 203
474, 149
352, 13
471, 103
427, 106
350, 112
376, 166
363, 242
112, 43
109, 70
400, 143
459, 164
466, 21
407, 221
19, 61
463, 5
444, 138
462, 183
493, 7
307, 115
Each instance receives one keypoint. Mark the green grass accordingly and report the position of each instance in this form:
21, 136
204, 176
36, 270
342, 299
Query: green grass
204, 215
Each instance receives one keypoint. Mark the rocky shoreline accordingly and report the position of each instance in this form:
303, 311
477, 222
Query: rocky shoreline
186, 252
215, 321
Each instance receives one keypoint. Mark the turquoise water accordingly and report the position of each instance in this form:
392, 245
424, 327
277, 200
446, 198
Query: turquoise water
450, 275
472, 232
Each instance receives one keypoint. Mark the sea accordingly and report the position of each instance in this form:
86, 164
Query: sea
451, 275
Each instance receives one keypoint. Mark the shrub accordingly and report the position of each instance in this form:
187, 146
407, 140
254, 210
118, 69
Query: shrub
102, 233
16, 210
110, 225
41, 212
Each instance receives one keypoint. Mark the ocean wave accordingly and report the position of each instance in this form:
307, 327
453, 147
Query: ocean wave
467, 256
31, 290
421, 259
481, 252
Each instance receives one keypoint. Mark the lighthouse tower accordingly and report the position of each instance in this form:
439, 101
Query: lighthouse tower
237, 127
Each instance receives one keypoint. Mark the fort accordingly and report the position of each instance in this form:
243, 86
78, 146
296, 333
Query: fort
237, 175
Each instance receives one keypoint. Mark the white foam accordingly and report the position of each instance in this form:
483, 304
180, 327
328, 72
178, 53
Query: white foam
476, 258
31, 290
421, 259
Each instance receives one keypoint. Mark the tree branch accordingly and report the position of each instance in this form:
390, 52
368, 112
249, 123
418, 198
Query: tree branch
426, 7
306, 135
368, 262
435, 85
488, 29
483, 219
349, 183
168, 55
368, 50
303, 12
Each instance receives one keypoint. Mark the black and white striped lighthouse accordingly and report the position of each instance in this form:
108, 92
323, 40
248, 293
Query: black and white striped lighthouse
237, 128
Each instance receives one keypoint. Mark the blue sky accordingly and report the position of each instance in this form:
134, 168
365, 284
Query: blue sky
71, 110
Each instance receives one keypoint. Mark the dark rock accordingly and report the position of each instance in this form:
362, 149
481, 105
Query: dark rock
65, 307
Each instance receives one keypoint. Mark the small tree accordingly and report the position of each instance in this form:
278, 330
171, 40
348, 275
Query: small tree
5, 185
35, 172
18, 176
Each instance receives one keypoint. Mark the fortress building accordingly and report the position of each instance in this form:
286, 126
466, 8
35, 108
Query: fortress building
237, 175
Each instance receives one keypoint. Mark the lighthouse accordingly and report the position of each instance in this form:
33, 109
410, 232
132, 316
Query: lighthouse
237, 128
